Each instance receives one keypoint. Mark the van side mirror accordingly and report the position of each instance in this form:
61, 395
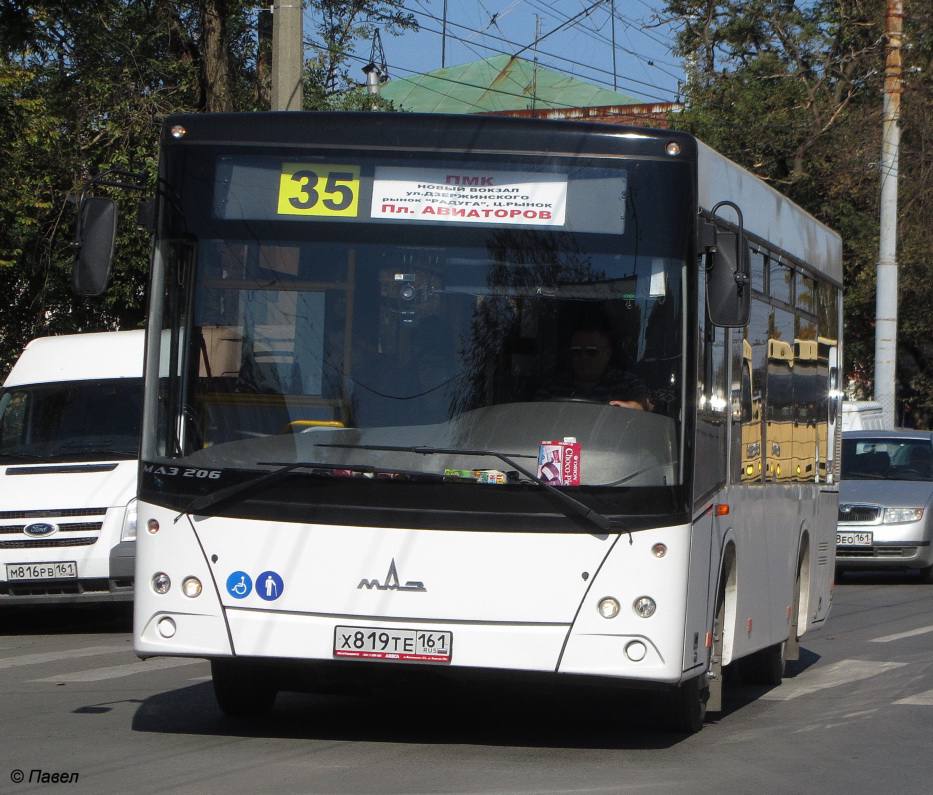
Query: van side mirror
728, 285
95, 237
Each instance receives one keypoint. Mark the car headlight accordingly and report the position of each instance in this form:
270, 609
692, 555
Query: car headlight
128, 533
902, 515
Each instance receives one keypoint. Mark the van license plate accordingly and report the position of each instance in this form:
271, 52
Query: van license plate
59, 570
861, 538
395, 645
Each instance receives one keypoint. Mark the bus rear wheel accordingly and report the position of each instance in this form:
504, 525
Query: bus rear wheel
241, 689
687, 706
766, 667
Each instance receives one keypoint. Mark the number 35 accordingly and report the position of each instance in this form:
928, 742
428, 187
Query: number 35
318, 189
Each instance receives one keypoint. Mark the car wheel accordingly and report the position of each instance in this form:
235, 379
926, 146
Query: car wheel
240, 689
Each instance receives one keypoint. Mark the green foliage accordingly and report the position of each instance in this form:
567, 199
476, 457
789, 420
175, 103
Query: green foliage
793, 91
84, 88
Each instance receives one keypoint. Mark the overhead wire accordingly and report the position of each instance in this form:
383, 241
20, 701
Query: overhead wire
443, 79
588, 77
599, 36
540, 53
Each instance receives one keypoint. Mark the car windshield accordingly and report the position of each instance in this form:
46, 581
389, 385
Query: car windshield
887, 459
73, 420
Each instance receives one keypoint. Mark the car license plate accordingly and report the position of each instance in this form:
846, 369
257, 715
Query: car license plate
396, 645
59, 570
859, 538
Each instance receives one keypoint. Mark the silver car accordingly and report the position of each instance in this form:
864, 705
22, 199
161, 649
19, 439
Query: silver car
886, 501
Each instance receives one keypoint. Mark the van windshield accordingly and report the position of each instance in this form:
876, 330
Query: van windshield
71, 420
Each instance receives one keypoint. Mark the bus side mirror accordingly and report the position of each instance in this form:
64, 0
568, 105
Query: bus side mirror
728, 286
94, 238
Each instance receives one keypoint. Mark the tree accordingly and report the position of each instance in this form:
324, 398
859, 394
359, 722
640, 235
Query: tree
84, 87
792, 91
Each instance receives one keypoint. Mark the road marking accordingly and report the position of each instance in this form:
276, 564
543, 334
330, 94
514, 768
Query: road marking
56, 656
909, 634
840, 673
920, 700
118, 671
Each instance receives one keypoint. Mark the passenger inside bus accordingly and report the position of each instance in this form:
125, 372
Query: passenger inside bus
594, 370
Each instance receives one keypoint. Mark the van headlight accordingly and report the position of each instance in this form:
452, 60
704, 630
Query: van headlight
128, 533
902, 515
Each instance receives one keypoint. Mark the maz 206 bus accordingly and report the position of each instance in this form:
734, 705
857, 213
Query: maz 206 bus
363, 330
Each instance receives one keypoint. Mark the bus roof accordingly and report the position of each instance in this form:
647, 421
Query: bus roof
767, 213
79, 357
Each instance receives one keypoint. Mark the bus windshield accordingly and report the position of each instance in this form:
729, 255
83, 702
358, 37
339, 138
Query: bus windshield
555, 312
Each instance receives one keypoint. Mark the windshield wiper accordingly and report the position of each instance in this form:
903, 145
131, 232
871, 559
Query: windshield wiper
575, 506
202, 503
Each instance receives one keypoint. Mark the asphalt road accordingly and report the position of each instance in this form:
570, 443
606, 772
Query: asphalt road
854, 715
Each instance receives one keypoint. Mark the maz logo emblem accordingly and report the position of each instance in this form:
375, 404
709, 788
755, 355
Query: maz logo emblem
40, 529
392, 582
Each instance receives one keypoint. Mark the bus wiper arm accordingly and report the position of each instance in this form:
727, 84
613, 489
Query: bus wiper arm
575, 506
206, 501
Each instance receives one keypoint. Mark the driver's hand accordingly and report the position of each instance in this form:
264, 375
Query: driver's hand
627, 404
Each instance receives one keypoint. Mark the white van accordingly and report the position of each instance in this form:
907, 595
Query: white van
70, 416
862, 415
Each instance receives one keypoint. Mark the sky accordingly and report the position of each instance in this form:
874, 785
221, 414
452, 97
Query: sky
645, 67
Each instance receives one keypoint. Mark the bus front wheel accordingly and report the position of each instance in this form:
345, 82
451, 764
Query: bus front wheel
687, 706
240, 689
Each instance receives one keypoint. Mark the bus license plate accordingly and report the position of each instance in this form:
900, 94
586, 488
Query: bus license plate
860, 538
396, 645
59, 570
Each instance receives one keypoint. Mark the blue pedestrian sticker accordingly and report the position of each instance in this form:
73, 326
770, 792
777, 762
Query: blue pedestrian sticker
269, 586
239, 585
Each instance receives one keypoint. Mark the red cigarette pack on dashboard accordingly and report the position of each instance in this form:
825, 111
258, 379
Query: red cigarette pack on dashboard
559, 462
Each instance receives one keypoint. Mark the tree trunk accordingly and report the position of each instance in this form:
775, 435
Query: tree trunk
215, 73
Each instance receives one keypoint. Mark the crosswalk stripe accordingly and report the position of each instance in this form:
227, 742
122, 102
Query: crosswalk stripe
118, 671
920, 699
900, 635
839, 673
58, 656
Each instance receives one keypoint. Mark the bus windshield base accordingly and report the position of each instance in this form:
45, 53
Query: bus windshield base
577, 507
207, 501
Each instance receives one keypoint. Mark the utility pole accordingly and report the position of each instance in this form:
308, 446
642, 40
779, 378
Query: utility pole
287, 55
444, 38
612, 16
886, 286
534, 68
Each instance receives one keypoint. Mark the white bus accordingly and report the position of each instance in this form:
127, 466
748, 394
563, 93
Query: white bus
363, 328
70, 418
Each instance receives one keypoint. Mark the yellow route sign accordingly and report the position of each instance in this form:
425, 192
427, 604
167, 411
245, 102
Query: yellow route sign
319, 189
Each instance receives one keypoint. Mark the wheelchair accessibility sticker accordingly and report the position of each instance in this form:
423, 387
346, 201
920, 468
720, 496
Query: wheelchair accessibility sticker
239, 585
269, 586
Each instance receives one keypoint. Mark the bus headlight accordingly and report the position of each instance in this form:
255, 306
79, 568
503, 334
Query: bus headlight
128, 533
608, 607
902, 515
644, 606
191, 587
161, 583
